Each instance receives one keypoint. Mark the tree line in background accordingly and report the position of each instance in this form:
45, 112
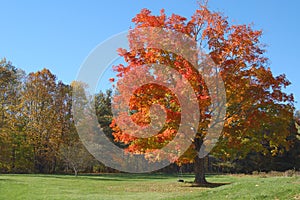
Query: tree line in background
38, 135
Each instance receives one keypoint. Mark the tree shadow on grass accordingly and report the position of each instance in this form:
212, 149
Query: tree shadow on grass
204, 185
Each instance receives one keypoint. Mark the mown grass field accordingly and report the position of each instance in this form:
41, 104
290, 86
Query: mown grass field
129, 186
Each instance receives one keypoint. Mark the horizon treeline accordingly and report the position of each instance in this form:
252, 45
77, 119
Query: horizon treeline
37, 132
38, 135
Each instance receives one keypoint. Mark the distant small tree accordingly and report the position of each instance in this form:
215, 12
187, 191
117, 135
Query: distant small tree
76, 157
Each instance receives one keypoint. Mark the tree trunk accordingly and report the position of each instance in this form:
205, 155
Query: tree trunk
75, 171
199, 171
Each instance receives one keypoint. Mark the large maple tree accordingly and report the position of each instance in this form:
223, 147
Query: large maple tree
258, 112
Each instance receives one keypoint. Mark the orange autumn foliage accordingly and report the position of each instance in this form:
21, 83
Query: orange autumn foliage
258, 111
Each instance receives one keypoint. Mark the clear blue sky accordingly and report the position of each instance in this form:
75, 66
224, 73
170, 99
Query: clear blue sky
59, 35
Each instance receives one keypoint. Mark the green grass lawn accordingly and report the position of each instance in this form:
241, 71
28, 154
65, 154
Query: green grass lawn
128, 186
